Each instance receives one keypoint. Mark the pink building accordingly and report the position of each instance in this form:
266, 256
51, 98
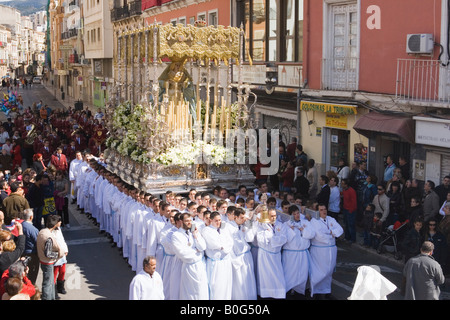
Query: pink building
386, 63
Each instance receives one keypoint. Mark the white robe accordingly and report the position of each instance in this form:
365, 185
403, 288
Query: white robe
154, 246
141, 234
194, 280
323, 252
244, 280
218, 261
80, 174
270, 270
168, 260
73, 176
295, 253
144, 287
371, 285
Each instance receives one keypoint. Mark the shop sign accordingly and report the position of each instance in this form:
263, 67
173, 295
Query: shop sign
337, 121
328, 108
433, 132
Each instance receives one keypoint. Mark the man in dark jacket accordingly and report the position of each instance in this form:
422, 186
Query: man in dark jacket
301, 183
15, 203
323, 197
413, 240
443, 189
36, 198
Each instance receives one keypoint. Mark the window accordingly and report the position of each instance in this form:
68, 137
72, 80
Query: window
201, 16
273, 29
191, 20
98, 34
173, 22
182, 21
342, 51
212, 18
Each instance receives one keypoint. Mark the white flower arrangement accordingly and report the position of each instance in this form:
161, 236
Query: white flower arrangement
194, 153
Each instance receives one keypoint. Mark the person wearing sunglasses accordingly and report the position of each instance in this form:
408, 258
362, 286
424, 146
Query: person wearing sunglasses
433, 235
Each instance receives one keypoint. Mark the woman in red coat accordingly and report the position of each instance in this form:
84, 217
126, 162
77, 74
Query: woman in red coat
288, 177
17, 155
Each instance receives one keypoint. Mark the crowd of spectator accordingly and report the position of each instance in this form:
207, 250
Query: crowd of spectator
37, 147
365, 204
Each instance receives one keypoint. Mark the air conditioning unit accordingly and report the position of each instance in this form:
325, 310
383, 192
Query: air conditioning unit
420, 43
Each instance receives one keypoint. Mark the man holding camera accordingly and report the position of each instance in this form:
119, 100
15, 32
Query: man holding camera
18, 269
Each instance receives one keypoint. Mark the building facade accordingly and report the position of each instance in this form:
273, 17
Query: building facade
98, 49
383, 66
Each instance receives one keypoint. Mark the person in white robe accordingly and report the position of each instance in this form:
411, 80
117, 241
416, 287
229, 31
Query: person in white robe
271, 238
154, 246
125, 219
244, 281
82, 172
141, 232
73, 174
189, 247
323, 252
129, 222
116, 201
85, 189
171, 267
219, 245
147, 284
168, 253
295, 251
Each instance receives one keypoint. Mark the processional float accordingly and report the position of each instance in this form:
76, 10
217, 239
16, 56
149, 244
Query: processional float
175, 137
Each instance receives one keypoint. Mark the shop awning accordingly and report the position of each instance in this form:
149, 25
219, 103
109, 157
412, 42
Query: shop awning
404, 127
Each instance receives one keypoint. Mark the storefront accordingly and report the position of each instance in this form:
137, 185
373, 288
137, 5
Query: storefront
389, 134
327, 133
100, 92
433, 149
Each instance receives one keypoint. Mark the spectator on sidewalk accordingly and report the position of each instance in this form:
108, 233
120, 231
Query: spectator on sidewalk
31, 234
423, 275
15, 203
48, 252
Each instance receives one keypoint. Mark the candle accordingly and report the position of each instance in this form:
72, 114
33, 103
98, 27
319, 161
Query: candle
205, 133
214, 120
198, 91
190, 128
228, 119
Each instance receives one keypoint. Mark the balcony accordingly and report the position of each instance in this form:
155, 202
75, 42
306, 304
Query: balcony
120, 13
340, 74
69, 34
422, 81
135, 8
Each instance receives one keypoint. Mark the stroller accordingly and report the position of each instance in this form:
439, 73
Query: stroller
390, 240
